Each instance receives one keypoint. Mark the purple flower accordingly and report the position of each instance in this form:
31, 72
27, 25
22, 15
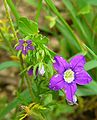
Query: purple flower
25, 46
30, 72
69, 74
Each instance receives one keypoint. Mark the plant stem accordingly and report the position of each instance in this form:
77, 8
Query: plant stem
10, 20
21, 60
38, 11
27, 79
30, 87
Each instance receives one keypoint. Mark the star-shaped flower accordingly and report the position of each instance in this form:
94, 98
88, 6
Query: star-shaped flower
25, 45
69, 75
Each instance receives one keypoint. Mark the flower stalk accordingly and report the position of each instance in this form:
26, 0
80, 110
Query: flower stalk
21, 60
27, 79
10, 20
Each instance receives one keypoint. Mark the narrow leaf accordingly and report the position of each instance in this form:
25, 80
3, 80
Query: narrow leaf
90, 65
8, 64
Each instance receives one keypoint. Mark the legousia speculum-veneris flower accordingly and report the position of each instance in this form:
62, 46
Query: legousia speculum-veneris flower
69, 75
24, 46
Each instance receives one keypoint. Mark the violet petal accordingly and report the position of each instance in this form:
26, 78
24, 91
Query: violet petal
83, 78
60, 64
77, 61
30, 47
24, 50
19, 47
29, 42
30, 72
56, 82
21, 42
70, 90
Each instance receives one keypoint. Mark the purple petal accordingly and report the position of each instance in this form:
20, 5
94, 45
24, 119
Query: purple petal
60, 64
77, 62
74, 101
29, 42
78, 69
24, 50
83, 78
30, 72
21, 42
19, 47
56, 82
70, 90
30, 47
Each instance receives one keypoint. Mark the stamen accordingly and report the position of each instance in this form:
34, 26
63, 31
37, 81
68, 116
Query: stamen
69, 76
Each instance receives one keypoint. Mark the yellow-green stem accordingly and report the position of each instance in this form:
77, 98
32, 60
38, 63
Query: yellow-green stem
10, 20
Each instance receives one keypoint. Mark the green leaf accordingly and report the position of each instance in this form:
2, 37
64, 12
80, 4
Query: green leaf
27, 27
47, 99
44, 40
63, 109
23, 98
32, 2
76, 20
85, 10
39, 39
90, 65
87, 90
13, 9
92, 2
68, 31
8, 64
52, 23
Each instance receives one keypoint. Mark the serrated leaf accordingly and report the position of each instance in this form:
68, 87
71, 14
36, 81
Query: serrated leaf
27, 27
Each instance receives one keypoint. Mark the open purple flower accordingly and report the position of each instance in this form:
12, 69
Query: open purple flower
25, 46
69, 74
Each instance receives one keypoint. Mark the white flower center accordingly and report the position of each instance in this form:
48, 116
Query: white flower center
69, 76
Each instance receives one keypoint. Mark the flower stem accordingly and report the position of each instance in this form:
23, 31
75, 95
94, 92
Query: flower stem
27, 79
21, 60
30, 87
10, 20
